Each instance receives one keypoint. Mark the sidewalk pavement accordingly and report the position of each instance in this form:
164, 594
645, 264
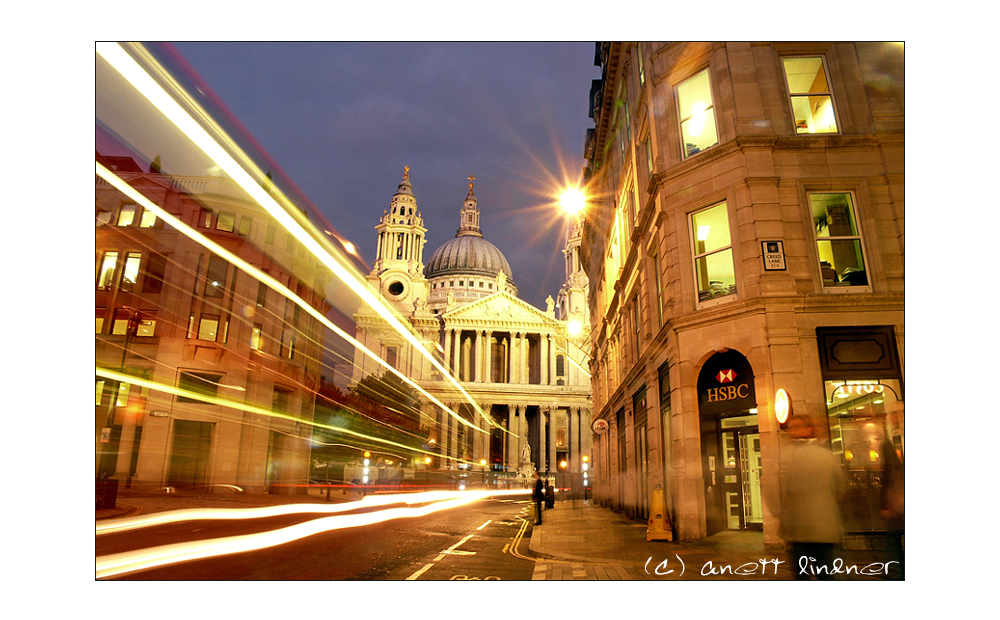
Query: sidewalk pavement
578, 540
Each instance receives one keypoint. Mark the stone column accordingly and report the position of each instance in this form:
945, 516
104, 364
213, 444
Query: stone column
542, 439
488, 359
512, 446
576, 437
477, 356
447, 350
524, 357
543, 359
553, 455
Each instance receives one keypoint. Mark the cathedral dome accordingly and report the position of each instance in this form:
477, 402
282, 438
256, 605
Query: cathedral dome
467, 255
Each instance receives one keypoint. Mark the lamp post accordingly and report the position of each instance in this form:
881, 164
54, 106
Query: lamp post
483, 463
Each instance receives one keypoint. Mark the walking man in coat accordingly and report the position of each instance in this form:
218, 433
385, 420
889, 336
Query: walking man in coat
812, 484
538, 496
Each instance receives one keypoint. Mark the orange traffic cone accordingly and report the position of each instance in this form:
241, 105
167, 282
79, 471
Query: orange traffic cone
659, 523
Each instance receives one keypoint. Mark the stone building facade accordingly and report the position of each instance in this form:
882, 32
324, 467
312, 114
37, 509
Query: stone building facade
745, 234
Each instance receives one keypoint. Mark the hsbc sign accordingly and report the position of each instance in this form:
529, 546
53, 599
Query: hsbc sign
726, 384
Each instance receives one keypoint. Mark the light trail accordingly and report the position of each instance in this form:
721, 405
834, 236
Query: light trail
126, 524
131, 561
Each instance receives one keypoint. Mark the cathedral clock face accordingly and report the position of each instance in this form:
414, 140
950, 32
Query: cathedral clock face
396, 288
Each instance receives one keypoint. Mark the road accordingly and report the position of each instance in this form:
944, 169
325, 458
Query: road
485, 540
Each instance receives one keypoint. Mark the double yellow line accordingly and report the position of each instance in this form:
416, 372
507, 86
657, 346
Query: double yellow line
517, 541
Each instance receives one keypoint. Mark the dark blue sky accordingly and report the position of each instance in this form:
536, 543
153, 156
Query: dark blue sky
342, 119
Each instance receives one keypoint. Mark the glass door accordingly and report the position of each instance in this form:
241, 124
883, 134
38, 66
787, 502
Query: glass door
750, 468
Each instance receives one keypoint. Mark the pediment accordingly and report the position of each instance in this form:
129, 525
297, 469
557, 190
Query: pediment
500, 307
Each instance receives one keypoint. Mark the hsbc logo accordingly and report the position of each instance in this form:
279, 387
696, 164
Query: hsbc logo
726, 376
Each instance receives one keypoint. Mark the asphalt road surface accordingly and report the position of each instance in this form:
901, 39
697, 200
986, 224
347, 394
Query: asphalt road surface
485, 540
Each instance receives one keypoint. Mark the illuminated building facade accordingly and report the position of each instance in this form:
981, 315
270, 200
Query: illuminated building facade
221, 362
522, 366
745, 234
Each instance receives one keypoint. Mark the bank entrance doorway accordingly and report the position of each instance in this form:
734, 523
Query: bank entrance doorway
741, 473
730, 444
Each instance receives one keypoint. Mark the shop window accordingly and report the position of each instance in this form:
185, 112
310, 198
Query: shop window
866, 422
811, 96
106, 274
838, 240
697, 114
713, 253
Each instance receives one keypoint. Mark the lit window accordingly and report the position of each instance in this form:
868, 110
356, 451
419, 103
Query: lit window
208, 328
255, 337
126, 215
713, 253
148, 219
245, 224
812, 99
119, 327
838, 240
697, 116
226, 222
100, 321
205, 219
130, 275
147, 326
106, 276
123, 390
100, 392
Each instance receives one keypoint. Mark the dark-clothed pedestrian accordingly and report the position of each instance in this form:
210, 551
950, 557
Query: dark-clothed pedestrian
538, 496
892, 504
812, 485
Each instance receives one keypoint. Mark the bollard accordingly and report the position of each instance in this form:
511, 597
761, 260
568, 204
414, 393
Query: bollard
659, 524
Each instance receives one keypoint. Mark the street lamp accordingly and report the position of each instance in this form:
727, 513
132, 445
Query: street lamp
483, 463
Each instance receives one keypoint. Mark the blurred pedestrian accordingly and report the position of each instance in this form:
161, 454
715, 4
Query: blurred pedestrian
538, 496
550, 494
812, 485
892, 504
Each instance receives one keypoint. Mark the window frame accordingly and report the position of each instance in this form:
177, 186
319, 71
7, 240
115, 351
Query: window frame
710, 110
695, 255
827, 93
837, 287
